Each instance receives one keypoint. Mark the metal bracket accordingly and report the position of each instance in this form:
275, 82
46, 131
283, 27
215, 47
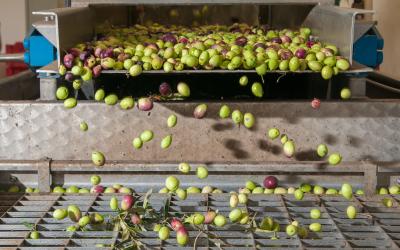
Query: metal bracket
44, 176
370, 178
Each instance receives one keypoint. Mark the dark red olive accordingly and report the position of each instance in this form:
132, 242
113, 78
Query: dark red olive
68, 60
310, 43
169, 38
285, 54
259, 45
241, 41
183, 40
300, 53
286, 39
69, 77
97, 71
165, 89
276, 40
83, 55
74, 51
97, 52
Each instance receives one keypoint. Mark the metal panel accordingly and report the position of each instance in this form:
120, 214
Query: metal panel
72, 26
335, 25
359, 130
21, 86
81, 3
355, 69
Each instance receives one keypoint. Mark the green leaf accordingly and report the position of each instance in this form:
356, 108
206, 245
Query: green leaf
146, 198
30, 226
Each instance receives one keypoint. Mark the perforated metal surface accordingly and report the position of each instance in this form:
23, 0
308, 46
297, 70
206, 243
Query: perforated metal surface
375, 226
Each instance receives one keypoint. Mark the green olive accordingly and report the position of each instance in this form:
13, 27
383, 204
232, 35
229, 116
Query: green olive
243, 80
137, 143
98, 158
99, 95
70, 103
237, 116
83, 126
62, 93
327, 72
135, 70
127, 102
257, 89
111, 99
76, 84
224, 111
166, 142
146, 135
171, 121
249, 120
294, 64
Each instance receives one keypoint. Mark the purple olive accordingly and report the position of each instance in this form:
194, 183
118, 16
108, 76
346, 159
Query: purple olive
145, 104
97, 71
74, 51
83, 55
68, 60
169, 38
259, 45
122, 57
300, 53
183, 40
165, 89
285, 54
97, 52
274, 46
310, 44
276, 40
270, 182
241, 41
286, 39
69, 77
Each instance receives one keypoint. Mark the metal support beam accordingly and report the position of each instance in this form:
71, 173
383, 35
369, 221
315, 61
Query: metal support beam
48, 87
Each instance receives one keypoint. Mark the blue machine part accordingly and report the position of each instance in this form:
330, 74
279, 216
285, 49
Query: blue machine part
39, 51
367, 50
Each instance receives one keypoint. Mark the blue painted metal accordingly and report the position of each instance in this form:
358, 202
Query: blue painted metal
39, 51
367, 50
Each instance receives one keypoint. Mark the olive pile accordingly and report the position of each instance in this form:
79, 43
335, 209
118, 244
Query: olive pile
143, 48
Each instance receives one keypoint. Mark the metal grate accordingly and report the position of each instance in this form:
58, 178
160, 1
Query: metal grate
376, 226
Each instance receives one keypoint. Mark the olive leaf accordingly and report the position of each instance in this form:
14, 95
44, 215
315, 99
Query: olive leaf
30, 226
146, 198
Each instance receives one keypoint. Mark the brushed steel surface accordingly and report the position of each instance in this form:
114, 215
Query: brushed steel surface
72, 26
359, 130
335, 25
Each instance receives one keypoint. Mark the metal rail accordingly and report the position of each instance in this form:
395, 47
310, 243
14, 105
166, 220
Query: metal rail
80, 3
338, 231
12, 57
143, 176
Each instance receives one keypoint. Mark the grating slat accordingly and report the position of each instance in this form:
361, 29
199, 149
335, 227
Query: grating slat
376, 226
